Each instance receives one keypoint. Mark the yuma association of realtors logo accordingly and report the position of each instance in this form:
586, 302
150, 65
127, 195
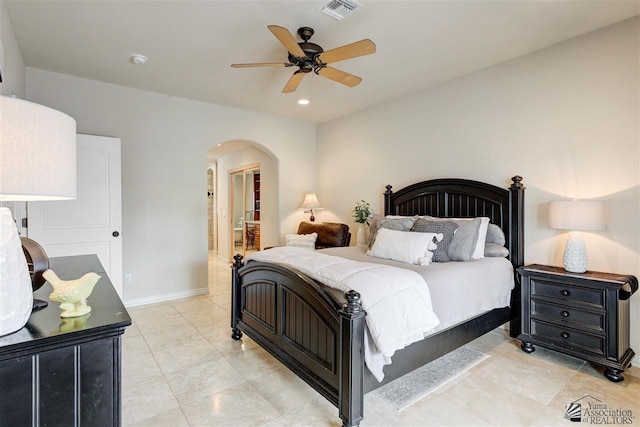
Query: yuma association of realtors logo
590, 410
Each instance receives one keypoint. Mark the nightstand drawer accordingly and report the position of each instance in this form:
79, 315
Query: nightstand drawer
593, 297
573, 317
568, 338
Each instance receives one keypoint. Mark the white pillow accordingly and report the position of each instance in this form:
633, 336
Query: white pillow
307, 241
404, 246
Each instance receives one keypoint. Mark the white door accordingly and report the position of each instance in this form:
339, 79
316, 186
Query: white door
92, 223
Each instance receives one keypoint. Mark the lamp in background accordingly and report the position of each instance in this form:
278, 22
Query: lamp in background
576, 215
37, 162
310, 203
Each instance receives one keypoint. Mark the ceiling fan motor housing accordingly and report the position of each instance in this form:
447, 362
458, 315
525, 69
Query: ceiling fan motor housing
311, 50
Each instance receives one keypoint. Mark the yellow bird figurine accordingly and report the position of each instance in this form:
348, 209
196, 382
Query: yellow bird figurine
72, 294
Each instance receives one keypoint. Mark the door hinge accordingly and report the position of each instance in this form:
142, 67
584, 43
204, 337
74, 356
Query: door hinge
25, 222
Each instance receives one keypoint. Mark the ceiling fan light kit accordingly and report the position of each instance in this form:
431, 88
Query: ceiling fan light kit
308, 57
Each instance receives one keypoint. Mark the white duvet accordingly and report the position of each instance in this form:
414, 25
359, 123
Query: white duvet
397, 301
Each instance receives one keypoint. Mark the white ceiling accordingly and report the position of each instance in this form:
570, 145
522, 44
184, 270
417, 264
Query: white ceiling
191, 44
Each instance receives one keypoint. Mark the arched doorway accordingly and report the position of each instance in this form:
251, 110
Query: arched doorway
230, 157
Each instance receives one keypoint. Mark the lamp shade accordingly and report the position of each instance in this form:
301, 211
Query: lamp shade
37, 162
37, 152
576, 215
310, 202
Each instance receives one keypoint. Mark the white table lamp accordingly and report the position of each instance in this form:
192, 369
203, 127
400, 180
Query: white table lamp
310, 203
37, 162
576, 215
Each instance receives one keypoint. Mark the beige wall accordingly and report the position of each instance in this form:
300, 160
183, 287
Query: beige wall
164, 171
11, 62
566, 118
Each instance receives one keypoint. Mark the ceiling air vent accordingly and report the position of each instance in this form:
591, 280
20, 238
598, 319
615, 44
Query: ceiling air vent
339, 8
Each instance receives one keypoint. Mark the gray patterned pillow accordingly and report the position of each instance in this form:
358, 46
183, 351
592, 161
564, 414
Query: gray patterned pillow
495, 235
398, 223
464, 242
447, 228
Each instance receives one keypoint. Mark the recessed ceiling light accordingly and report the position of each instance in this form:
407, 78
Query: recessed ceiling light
303, 101
138, 59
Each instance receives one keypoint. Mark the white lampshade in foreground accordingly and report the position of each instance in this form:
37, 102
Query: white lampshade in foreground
576, 215
37, 162
37, 152
310, 203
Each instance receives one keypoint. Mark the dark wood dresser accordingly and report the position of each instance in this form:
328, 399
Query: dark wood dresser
585, 315
66, 372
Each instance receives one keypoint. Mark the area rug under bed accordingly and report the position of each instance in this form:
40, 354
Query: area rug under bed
412, 387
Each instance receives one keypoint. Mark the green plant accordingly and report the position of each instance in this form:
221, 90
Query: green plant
362, 212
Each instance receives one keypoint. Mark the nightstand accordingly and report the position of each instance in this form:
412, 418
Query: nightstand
585, 315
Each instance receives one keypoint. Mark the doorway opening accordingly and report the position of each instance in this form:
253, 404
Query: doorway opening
212, 235
254, 170
245, 207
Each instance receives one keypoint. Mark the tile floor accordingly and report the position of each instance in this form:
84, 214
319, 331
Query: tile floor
181, 368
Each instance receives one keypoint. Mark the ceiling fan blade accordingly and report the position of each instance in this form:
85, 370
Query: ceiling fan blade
340, 76
287, 40
262, 64
353, 50
293, 82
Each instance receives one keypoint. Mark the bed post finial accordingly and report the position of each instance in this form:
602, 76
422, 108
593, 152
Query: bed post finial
517, 182
387, 200
238, 260
352, 306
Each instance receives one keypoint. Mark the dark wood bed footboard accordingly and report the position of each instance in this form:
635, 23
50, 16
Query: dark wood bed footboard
300, 324
320, 336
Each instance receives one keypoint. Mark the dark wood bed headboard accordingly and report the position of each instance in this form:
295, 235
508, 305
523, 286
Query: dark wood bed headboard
462, 198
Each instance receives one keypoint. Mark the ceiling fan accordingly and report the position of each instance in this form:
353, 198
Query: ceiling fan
309, 57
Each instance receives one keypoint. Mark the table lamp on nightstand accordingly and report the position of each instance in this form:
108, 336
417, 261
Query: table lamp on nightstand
576, 215
37, 162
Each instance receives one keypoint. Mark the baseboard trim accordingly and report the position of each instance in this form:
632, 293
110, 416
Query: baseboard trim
165, 297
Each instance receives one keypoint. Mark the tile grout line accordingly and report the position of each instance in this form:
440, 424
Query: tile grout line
163, 373
556, 394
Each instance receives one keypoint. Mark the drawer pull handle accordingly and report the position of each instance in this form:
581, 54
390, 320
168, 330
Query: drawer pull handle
565, 292
564, 314
564, 335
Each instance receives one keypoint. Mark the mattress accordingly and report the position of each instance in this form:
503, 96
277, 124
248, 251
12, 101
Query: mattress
459, 290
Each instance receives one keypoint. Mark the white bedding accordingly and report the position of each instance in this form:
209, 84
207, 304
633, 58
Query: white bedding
459, 290
397, 300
